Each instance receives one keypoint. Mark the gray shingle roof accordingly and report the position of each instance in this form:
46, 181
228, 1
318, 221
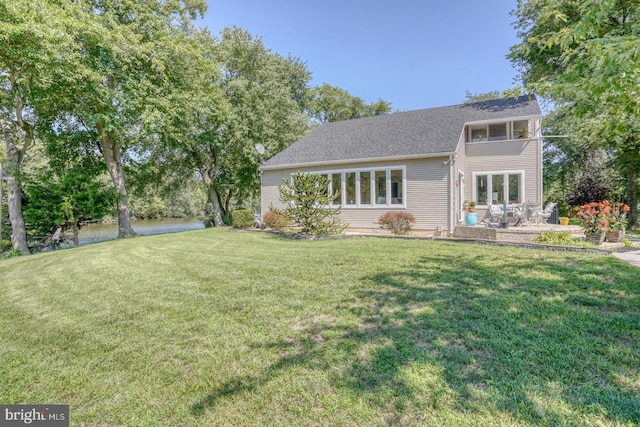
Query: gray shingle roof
428, 131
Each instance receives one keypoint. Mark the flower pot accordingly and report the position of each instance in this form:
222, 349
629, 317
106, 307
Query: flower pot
471, 219
564, 221
614, 236
595, 238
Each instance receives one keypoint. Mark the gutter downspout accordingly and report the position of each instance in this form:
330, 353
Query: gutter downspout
452, 190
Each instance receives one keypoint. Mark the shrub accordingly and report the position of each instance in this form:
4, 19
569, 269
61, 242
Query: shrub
556, 238
398, 222
275, 219
309, 204
242, 218
13, 253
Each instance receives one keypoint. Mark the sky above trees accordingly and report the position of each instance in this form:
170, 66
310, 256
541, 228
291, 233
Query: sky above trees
414, 54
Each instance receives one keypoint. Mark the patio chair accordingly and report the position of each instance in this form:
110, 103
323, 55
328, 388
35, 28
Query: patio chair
518, 213
495, 211
545, 214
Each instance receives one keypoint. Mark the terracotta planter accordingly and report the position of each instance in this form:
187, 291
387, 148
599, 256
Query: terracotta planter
614, 236
595, 238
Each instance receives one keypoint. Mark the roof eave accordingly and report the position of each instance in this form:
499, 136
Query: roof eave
358, 160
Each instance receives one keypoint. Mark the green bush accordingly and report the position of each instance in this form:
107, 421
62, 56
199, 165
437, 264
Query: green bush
242, 218
13, 253
309, 205
275, 219
398, 222
556, 238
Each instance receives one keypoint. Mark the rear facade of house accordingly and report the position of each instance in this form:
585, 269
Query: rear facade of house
425, 162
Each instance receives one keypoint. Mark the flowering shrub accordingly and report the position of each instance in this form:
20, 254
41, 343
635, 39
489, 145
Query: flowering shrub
397, 222
600, 217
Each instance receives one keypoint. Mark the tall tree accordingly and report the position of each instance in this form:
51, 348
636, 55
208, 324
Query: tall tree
585, 57
123, 49
229, 95
331, 104
33, 57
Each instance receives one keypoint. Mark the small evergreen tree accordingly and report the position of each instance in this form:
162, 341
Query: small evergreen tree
309, 204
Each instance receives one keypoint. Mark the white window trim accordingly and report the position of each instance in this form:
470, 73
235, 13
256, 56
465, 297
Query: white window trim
511, 134
474, 190
371, 170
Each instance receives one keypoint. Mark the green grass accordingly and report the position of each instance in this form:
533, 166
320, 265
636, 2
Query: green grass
213, 327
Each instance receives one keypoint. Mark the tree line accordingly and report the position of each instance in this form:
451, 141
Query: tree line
137, 92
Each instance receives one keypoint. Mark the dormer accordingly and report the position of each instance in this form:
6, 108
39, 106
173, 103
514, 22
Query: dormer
497, 131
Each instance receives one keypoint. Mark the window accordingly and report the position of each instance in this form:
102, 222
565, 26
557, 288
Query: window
520, 128
365, 188
368, 187
514, 188
336, 186
481, 189
350, 188
497, 131
396, 186
479, 133
496, 187
381, 187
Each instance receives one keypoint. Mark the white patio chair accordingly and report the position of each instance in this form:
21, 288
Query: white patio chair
546, 212
518, 213
496, 212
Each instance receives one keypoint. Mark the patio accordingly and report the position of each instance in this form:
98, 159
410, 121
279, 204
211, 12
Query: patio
518, 234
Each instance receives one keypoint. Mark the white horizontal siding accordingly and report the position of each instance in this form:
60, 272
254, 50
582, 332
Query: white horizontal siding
518, 155
426, 192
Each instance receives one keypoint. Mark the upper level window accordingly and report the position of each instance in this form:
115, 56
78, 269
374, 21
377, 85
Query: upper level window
497, 131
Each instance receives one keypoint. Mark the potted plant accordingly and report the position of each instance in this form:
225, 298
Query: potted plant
595, 220
617, 222
472, 206
471, 219
564, 220
523, 133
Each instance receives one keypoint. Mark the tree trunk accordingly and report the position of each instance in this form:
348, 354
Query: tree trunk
14, 201
632, 194
14, 190
217, 209
76, 231
213, 196
111, 154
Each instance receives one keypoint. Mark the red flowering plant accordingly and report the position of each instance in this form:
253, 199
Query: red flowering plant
618, 217
600, 217
595, 217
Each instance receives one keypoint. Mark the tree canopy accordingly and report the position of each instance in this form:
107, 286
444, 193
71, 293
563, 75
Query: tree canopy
584, 56
331, 104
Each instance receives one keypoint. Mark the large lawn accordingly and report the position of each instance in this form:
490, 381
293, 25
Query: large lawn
214, 327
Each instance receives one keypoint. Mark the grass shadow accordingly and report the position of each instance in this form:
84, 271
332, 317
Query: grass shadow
535, 340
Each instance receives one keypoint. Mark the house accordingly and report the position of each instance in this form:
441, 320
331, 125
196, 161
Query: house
426, 162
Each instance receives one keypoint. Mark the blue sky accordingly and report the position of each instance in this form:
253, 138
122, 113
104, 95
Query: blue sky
414, 54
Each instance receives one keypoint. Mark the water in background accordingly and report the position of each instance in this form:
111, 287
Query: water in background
92, 233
